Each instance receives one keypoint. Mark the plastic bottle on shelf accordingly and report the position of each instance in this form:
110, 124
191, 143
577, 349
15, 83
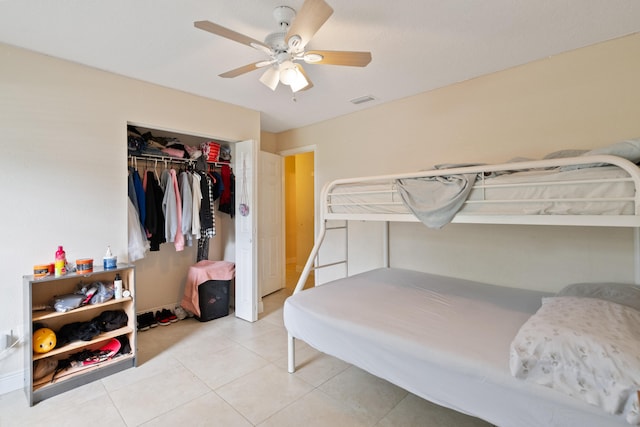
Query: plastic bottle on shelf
117, 286
109, 261
60, 266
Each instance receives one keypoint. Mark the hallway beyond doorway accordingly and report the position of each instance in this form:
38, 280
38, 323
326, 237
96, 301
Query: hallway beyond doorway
292, 277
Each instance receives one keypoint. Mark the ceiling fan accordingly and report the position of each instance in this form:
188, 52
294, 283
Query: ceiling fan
287, 45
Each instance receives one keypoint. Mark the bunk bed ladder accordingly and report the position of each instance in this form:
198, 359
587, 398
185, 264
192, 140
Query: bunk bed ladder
314, 254
309, 265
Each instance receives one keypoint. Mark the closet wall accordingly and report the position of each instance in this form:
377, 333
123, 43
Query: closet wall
161, 274
63, 135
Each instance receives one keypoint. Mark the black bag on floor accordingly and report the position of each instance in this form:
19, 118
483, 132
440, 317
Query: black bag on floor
213, 296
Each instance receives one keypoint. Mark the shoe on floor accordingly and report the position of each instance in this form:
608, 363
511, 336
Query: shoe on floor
169, 315
143, 324
162, 319
180, 313
151, 319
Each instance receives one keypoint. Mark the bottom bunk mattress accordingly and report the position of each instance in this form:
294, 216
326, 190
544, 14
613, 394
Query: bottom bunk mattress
446, 340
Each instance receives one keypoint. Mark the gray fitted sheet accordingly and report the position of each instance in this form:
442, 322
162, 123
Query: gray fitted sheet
443, 339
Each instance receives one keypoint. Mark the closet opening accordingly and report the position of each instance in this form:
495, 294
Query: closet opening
162, 272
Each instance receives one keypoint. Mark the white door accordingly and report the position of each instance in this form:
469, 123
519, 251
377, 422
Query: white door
245, 171
270, 224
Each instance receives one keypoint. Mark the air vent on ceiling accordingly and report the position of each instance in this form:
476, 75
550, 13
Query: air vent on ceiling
362, 99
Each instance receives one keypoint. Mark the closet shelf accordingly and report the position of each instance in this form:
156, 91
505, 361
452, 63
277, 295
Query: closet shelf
156, 157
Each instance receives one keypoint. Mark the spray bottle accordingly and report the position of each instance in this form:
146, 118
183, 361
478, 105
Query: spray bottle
60, 267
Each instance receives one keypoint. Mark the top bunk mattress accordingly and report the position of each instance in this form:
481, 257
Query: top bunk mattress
606, 190
443, 339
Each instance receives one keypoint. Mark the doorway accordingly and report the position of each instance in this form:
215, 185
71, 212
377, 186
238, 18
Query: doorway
299, 184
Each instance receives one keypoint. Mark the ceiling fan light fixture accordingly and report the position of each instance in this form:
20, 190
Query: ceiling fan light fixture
270, 78
287, 72
299, 82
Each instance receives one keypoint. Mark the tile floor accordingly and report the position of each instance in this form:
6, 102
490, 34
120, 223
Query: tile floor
228, 372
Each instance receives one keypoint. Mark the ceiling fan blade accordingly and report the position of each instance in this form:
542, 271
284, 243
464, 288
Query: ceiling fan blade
337, 57
312, 15
232, 35
241, 70
309, 84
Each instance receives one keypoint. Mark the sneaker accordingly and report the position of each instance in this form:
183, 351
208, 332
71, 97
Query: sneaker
142, 323
169, 315
180, 313
162, 319
151, 320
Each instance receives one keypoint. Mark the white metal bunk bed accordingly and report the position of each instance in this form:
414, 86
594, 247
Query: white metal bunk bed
444, 339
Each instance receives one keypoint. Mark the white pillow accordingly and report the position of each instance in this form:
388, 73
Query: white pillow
628, 149
587, 348
619, 293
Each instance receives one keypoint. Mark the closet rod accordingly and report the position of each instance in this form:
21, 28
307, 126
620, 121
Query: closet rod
150, 157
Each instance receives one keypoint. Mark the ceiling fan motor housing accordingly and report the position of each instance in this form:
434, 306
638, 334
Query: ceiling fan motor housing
276, 41
283, 16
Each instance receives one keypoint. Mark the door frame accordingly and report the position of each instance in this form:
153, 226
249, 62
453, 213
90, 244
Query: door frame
292, 152
273, 202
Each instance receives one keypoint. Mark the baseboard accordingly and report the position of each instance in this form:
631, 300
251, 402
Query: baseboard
171, 307
11, 381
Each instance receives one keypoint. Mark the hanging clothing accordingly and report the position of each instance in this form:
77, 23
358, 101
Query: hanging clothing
218, 185
154, 221
207, 216
138, 244
196, 198
172, 207
227, 198
179, 238
140, 203
187, 205
207, 209
131, 191
203, 249
168, 206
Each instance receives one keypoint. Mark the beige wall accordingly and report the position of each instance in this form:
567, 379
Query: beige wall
65, 182
582, 99
268, 142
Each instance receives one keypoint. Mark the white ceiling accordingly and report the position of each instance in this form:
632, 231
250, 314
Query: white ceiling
417, 45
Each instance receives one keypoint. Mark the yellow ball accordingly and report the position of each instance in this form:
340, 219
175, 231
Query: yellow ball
44, 340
